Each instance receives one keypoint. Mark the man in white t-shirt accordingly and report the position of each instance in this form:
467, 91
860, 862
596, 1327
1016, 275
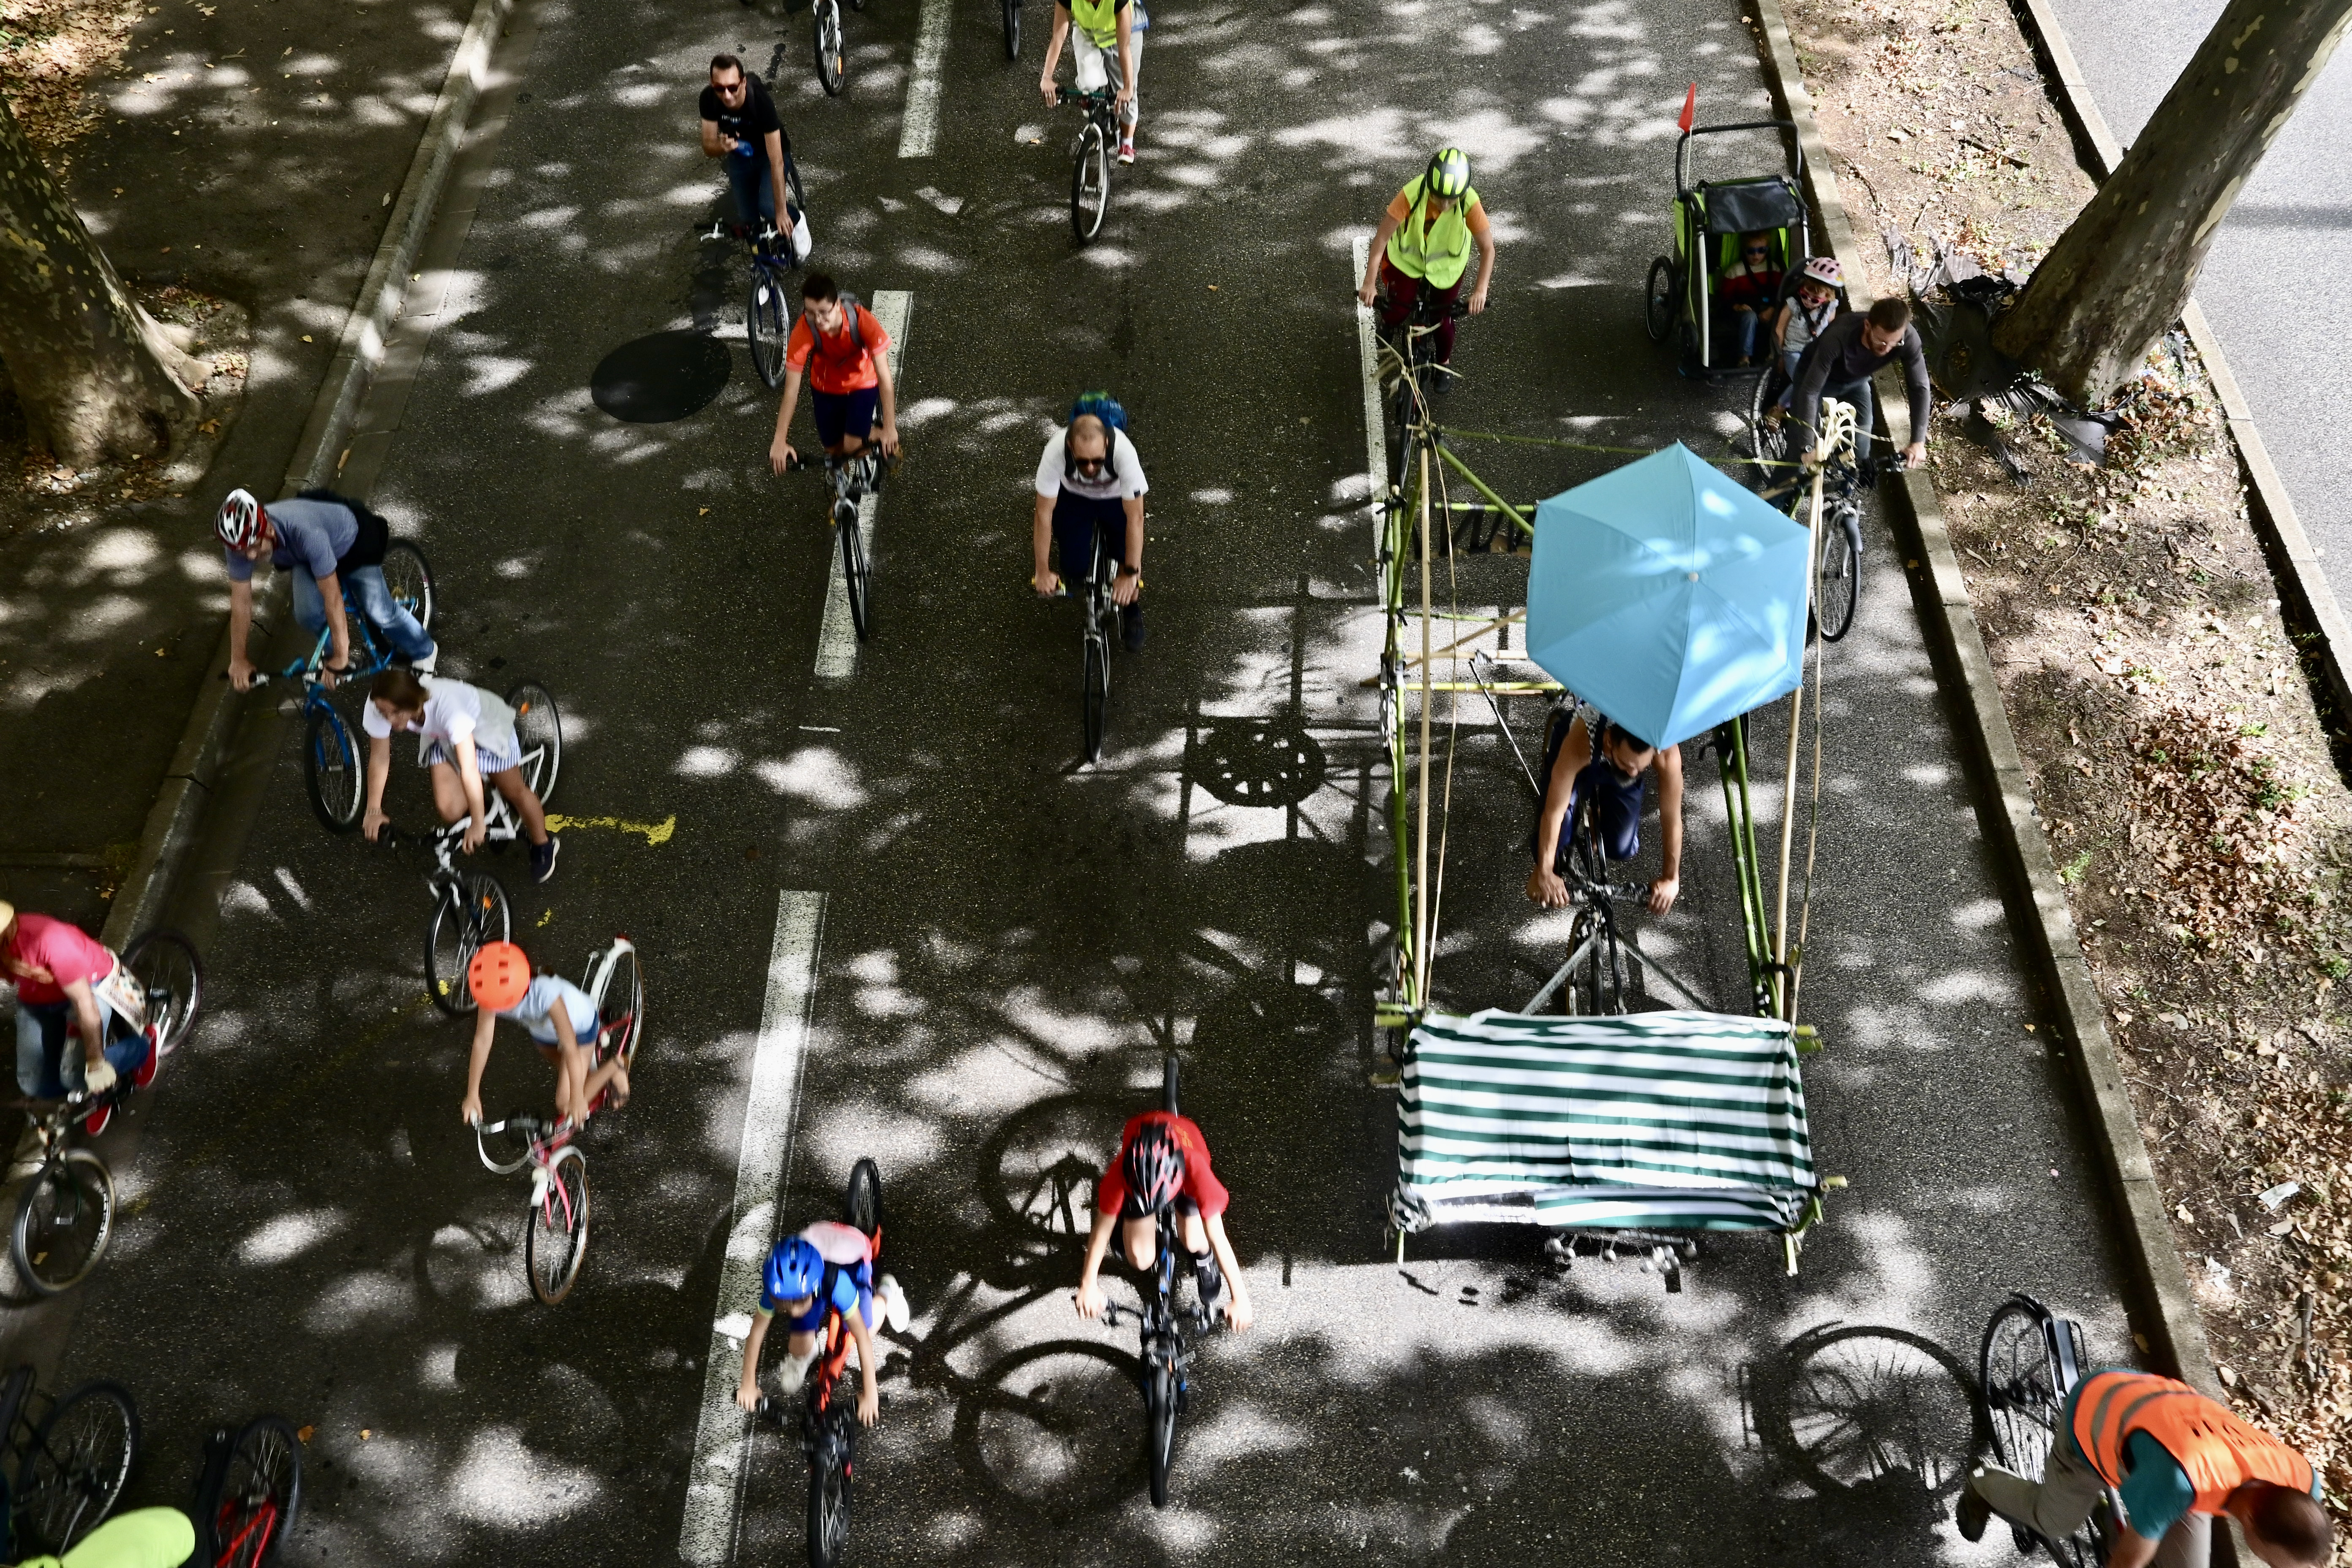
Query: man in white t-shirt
464, 735
1090, 484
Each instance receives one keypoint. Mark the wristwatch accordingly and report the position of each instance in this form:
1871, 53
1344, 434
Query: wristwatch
1125, 570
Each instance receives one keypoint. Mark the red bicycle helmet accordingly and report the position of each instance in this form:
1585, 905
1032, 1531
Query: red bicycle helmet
1154, 1167
498, 976
240, 521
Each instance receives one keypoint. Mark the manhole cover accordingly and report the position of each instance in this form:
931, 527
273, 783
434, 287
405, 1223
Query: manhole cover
1250, 763
656, 378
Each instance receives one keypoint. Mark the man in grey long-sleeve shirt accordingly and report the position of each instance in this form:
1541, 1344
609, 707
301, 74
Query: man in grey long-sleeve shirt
1844, 358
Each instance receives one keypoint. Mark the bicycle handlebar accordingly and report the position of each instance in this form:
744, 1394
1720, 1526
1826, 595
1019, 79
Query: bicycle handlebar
1076, 95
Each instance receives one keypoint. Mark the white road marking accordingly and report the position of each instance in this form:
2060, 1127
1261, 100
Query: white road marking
837, 635
920, 132
1376, 441
722, 1439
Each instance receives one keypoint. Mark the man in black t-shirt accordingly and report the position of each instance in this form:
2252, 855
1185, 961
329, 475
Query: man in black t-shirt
739, 125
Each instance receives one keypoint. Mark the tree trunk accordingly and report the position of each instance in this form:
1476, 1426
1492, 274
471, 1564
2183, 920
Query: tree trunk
99, 381
2121, 274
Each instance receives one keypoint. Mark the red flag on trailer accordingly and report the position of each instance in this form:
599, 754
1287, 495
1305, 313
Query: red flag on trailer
1690, 108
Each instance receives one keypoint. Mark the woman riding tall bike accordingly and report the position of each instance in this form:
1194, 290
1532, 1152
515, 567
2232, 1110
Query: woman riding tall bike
1422, 247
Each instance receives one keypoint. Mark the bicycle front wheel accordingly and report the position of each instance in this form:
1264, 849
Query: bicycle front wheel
1012, 29
856, 575
1095, 694
2020, 1388
65, 1217
331, 766
831, 60
861, 1199
465, 919
75, 1470
1160, 1423
767, 325
619, 993
172, 978
1089, 183
557, 1242
1837, 584
539, 732
250, 1503
410, 579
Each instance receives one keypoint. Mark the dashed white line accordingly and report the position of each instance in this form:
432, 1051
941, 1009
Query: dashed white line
722, 1438
836, 634
920, 132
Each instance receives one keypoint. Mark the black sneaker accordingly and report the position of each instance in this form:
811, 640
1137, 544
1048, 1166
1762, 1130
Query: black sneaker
1130, 627
542, 858
1972, 1514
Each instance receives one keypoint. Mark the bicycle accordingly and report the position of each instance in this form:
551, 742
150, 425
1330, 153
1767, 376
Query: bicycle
251, 1493
829, 1407
1602, 974
69, 1467
616, 986
1776, 456
1090, 153
555, 1233
1170, 1336
330, 753
831, 54
1101, 612
775, 255
2030, 1362
1409, 351
1012, 29
65, 1213
853, 480
470, 908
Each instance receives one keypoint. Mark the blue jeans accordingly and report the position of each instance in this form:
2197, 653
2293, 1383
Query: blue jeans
374, 598
46, 1069
1746, 328
754, 187
1077, 521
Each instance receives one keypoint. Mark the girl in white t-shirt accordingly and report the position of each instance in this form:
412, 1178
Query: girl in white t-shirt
464, 734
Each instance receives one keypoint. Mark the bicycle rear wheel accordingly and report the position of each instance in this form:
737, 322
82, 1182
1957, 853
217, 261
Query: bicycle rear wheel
557, 1241
1837, 582
856, 577
75, 1470
410, 579
619, 993
1089, 183
1159, 1428
539, 732
1012, 29
767, 325
331, 767
464, 920
172, 978
1658, 299
1769, 442
250, 1500
1095, 694
831, 60
65, 1217
861, 1199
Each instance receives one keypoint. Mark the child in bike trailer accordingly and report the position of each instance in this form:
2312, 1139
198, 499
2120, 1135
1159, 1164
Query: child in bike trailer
827, 1266
142, 1538
1611, 774
1163, 1160
562, 1021
70, 984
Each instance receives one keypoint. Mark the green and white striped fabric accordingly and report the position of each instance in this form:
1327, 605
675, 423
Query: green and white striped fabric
1647, 1122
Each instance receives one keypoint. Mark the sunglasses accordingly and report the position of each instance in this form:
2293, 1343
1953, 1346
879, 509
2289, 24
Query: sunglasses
1756, 251
1091, 465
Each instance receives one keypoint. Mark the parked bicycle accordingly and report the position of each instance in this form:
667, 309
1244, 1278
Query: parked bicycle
1170, 1336
65, 1469
332, 766
65, 1212
2030, 1362
251, 1493
470, 906
853, 480
555, 1227
1602, 974
829, 1404
1090, 155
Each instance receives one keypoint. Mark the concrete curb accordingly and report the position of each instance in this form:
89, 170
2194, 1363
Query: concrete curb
2303, 590
2176, 1335
173, 820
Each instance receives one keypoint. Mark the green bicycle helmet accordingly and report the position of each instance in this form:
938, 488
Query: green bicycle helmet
1449, 173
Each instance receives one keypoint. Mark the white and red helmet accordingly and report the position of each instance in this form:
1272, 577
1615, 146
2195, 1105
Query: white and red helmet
240, 521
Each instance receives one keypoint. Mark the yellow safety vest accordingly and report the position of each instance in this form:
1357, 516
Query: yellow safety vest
1434, 251
1098, 19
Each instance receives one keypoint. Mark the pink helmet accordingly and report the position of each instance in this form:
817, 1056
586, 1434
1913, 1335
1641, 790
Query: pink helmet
1826, 270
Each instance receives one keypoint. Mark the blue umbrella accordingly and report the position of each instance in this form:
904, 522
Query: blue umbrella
1667, 595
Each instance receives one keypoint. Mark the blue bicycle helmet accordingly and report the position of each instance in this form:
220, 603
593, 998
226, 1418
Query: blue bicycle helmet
795, 1270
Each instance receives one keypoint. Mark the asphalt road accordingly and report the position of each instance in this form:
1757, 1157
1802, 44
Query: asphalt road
2270, 286
1007, 943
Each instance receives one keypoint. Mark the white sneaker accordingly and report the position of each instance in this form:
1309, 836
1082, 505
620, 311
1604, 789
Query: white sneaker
793, 1372
894, 1310
424, 666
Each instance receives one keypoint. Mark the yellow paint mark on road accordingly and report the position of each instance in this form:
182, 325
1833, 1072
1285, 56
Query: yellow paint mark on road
655, 832
542, 924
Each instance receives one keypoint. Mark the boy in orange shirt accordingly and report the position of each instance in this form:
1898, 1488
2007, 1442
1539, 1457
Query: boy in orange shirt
845, 355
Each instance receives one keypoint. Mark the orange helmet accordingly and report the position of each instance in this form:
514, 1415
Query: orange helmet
498, 976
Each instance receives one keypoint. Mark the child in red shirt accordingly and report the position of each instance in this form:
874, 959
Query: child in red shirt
1162, 1160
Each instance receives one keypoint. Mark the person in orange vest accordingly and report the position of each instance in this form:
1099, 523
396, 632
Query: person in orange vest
2176, 1459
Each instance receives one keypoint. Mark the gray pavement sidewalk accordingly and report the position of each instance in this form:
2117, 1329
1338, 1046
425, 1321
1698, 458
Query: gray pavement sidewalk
2272, 284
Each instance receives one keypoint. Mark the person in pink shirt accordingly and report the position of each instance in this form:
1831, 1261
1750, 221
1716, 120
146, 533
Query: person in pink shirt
61, 974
